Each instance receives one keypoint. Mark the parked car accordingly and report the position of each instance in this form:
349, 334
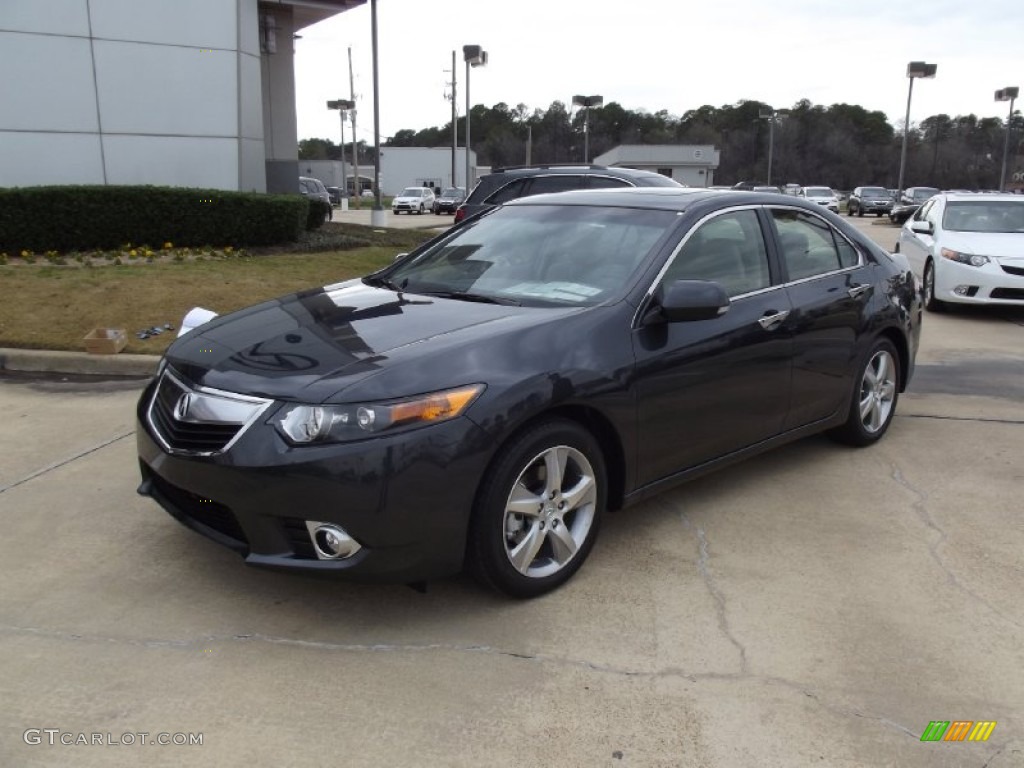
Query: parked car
876, 200
969, 249
413, 200
512, 183
320, 208
335, 195
748, 185
911, 199
768, 188
449, 200
822, 196
484, 399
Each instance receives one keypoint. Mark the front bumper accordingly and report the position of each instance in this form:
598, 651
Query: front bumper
406, 498
988, 284
871, 206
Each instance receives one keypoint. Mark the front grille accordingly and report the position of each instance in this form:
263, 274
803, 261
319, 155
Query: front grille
298, 537
1008, 293
183, 435
1013, 270
195, 420
206, 511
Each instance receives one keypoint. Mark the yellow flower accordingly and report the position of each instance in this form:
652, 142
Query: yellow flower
168, 245
26, 254
132, 252
228, 249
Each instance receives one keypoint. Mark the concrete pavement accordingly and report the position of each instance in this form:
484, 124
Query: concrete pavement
815, 606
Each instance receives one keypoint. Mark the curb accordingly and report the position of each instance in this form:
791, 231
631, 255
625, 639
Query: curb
47, 361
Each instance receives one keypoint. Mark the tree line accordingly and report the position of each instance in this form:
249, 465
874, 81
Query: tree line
843, 145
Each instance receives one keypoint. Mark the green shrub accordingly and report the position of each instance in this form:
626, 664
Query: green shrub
104, 217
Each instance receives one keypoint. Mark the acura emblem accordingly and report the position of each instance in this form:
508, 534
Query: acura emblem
182, 406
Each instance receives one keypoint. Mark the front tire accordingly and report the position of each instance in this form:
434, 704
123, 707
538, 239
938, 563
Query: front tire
538, 510
931, 303
873, 404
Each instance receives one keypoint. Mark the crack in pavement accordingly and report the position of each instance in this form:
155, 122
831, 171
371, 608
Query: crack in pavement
920, 507
978, 419
63, 462
319, 645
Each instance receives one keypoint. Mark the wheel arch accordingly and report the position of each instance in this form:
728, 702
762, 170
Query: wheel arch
899, 340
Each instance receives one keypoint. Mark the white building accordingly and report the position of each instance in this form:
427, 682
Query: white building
402, 167
197, 93
692, 165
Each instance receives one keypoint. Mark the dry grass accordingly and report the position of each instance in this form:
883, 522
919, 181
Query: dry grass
53, 307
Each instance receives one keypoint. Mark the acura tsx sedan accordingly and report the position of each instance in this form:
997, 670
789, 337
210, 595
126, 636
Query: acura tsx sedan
484, 400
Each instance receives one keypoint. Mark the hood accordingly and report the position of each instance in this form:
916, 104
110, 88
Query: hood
1008, 247
309, 346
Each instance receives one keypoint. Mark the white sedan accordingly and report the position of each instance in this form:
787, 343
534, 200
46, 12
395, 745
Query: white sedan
968, 248
822, 196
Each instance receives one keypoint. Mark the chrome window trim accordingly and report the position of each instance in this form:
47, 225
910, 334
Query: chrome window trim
861, 261
210, 396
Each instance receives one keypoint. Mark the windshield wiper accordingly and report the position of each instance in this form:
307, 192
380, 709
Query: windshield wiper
385, 282
478, 297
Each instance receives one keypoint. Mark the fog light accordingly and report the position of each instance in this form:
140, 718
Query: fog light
330, 541
965, 290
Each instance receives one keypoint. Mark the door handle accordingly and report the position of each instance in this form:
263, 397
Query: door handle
772, 321
857, 290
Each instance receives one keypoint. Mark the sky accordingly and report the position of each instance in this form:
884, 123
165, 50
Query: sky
653, 55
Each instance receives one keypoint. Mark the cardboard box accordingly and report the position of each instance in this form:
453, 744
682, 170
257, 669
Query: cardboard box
105, 341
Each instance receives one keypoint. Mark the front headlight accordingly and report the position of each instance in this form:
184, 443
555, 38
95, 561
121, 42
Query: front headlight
970, 259
309, 424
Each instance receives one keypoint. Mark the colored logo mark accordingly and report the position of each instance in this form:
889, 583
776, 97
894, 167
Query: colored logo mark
958, 730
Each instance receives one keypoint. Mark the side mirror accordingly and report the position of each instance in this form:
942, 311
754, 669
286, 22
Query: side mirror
921, 227
687, 300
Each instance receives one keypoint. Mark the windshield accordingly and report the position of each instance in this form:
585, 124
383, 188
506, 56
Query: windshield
411, 192
538, 255
819, 192
985, 216
874, 192
923, 193
452, 192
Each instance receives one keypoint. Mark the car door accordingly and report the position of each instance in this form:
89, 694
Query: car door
830, 285
710, 387
917, 246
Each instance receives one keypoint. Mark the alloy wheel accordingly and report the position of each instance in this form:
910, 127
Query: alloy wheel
549, 511
877, 391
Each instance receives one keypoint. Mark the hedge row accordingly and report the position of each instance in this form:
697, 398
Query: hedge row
73, 218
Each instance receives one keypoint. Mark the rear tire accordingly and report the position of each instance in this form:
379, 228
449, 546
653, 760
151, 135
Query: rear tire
874, 399
538, 510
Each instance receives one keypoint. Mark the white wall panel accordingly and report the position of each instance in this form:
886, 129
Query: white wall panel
180, 162
55, 17
199, 23
166, 90
46, 83
33, 159
254, 168
249, 32
250, 97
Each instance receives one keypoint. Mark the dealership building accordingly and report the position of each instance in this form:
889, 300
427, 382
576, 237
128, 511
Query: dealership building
197, 93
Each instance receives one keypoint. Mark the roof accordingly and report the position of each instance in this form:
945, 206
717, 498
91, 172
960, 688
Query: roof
666, 198
308, 12
661, 154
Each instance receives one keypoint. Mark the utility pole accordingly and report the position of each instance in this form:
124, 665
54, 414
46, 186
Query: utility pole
455, 126
357, 186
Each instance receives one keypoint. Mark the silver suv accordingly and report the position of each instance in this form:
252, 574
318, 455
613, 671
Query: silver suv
413, 200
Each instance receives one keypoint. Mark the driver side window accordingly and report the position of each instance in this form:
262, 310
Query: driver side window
727, 249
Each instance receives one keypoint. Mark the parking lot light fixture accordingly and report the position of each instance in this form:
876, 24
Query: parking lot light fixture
914, 69
770, 114
343, 106
475, 56
587, 102
1006, 94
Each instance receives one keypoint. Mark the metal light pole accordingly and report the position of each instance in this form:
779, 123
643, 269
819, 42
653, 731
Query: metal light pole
587, 102
475, 56
914, 69
377, 217
455, 125
768, 113
357, 186
343, 106
1010, 95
